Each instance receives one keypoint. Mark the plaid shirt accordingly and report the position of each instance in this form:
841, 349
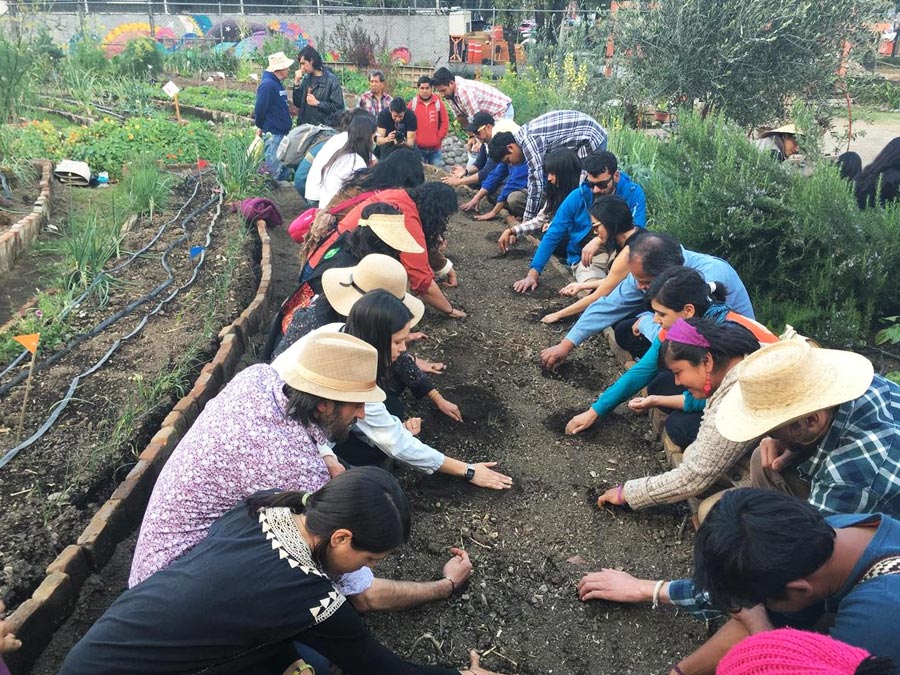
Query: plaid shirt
473, 96
856, 468
374, 105
558, 129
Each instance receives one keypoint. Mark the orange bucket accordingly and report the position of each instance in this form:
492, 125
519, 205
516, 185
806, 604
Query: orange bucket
496, 32
475, 52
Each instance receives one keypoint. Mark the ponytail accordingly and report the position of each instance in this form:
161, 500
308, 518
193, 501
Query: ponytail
678, 286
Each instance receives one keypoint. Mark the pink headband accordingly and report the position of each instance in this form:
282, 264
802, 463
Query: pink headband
683, 332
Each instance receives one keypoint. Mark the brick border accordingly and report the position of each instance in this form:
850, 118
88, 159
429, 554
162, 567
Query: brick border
20, 236
36, 619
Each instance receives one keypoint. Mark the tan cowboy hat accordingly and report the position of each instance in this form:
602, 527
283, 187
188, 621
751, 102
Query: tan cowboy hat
343, 286
391, 229
786, 380
278, 61
332, 365
786, 129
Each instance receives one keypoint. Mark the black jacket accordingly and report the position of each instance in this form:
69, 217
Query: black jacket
327, 90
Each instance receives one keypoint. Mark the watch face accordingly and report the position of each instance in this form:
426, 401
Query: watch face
470, 472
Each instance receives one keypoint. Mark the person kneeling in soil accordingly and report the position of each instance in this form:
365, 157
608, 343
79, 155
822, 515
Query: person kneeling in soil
342, 287
702, 355
384, 322
261, 581
266, 430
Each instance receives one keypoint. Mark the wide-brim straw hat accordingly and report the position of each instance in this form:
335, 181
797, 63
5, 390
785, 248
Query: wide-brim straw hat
279, 61
391, 229
343, 286
786, 129
786, 380
332, 365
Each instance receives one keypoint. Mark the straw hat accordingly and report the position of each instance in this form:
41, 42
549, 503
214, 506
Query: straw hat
391, 229
786, 129
343, 286
278, 61
335, 366
785, 380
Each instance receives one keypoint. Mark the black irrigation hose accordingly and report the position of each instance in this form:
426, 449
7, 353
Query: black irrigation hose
99, 108
51, 420
108, 273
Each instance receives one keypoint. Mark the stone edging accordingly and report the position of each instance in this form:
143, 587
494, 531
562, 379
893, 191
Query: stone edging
204, 113
19, 237
36, 619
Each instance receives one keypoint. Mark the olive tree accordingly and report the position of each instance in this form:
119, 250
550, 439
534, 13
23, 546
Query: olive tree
746, 58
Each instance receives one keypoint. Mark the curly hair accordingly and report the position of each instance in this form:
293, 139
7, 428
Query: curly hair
436, 202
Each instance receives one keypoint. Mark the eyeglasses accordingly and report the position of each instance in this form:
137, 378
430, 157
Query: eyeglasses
600, 184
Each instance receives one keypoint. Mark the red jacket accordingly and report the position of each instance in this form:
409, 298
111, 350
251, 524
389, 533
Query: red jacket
433, 122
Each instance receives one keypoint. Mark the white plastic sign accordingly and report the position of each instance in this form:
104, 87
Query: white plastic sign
171, 89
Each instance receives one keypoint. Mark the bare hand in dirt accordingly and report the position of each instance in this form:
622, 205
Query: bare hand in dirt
475, 666
311, 100
458, 171
452, 181
8, 641
775, 455
641, 403
458, 568
590, 249
571, 289
470, 205
486, 477
616, 586
457, 314
581, 422
525, 284
413, 425
416, 335
451, 410
451, 279
507, 239
613, 496
431, 367
553, 357
335, 468
552, 317
490, 215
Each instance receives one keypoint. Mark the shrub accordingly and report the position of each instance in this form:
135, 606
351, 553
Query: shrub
142, 57
806, 253
17, 65
87, 55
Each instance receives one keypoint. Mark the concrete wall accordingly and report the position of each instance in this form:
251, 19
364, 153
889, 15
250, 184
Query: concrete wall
426, 36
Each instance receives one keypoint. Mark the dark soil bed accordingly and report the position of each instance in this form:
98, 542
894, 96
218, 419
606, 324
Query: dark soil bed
50, 490
531, 544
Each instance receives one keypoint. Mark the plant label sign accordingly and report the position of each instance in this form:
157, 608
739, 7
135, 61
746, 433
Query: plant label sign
171, 89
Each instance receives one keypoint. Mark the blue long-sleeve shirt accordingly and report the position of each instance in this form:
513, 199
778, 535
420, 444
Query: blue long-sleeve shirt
271, 112
633, 194
626, 298
516, 177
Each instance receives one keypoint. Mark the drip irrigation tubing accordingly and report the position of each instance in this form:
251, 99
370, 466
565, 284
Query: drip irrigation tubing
108, 273
99, 108
73, 386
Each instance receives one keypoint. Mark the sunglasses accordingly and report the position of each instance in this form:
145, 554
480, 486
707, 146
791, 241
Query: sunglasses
600, 184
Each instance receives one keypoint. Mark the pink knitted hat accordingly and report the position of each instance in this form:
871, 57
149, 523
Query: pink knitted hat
791, 652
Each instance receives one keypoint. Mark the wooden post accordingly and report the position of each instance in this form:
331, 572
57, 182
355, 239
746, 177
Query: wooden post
177, 109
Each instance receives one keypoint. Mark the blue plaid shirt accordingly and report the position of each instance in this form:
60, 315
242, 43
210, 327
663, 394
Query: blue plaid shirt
552, 130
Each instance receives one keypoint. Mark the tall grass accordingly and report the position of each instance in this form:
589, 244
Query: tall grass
148, 187
238, 169
88, 242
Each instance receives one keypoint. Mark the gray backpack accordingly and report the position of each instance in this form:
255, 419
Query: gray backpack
296, 144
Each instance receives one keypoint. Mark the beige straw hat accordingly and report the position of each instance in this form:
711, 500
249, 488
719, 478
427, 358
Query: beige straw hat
786, 380
278, 61
786, 129
391, 229
335, 366
343, 286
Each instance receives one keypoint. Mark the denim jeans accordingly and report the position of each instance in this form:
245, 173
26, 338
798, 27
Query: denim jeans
432, 157
277, 170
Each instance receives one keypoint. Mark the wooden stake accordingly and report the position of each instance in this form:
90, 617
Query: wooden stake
25, 399
177, 109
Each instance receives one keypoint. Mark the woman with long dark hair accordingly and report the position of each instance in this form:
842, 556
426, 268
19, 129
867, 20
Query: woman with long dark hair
401, 169
879, 182
260, 582
383, 321
563, 170
678, 293
341, 155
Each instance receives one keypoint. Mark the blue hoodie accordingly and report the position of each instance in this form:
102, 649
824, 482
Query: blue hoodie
271, 113
573, 219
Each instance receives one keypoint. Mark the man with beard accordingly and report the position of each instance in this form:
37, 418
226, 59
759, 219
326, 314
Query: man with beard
264, 431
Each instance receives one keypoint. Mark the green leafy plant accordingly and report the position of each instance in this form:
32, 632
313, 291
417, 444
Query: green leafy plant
238, 169
141, 57
891, 333
148, 187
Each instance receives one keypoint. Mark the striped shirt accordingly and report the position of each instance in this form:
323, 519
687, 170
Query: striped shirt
558, 129
473, 96
856, 467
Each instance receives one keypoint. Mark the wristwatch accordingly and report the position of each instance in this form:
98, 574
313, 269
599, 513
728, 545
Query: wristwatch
470, 472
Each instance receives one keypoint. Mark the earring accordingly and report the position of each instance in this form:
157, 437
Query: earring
707, 386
